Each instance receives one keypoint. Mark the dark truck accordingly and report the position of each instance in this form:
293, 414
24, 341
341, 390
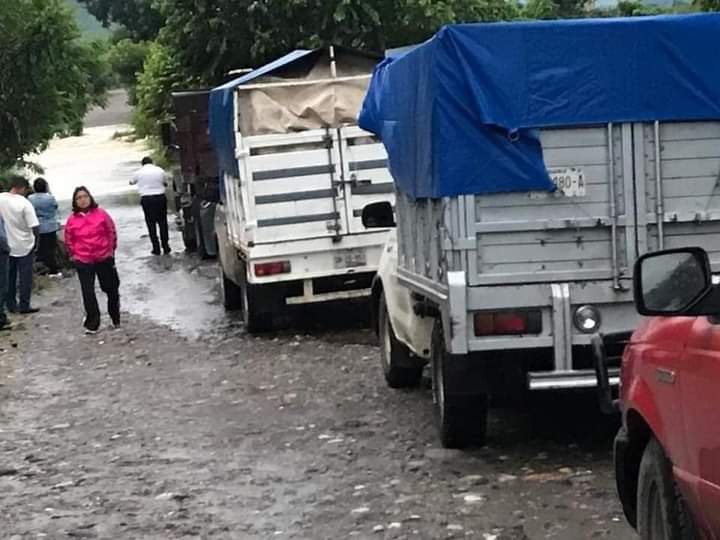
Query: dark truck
195, 180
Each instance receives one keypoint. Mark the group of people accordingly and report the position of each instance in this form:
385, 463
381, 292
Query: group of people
28, 230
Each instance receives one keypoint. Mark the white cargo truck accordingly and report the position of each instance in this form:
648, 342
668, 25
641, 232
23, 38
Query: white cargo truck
501, 291
296, 173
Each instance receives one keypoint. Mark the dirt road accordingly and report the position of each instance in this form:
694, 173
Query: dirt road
146, 433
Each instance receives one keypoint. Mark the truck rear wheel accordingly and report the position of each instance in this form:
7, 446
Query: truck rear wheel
461, 409
400, 368
230, 294
257, 309
188, 231
662, 513
200, 242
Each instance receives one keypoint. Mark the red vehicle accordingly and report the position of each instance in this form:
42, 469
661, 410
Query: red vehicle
667, 452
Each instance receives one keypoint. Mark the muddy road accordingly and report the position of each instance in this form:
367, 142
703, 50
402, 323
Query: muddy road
180, 425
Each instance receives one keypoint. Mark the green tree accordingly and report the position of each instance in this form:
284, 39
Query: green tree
707, 5
48, 78
126, 59
541, 9
161, 75
139, 17
215, 36
201, 42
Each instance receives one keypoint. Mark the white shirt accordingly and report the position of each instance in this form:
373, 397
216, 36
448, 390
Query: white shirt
20, 220
150, 180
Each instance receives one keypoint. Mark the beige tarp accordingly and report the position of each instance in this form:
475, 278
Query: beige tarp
311, 93
300, 105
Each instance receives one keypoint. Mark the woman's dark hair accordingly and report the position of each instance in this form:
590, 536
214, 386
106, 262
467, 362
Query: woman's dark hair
78, 189
40, 185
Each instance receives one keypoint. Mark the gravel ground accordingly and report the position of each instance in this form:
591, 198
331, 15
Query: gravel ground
147, 433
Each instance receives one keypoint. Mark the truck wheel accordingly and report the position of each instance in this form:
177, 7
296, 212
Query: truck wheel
257, 309
200, 240
188, 237
400, 368
662, 513
460, 409
230, 294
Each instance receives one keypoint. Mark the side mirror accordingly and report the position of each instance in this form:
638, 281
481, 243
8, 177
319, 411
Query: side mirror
378, 215
675, 282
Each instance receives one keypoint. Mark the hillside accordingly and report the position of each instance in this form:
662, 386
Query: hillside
89, 25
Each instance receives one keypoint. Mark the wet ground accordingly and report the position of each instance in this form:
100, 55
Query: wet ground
180, 425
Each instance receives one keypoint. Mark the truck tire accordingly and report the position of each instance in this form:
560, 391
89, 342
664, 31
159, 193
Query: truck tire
188, 229
200, 242
230, 294
257, 309
400, 368
188, 237
662, 512
461, 410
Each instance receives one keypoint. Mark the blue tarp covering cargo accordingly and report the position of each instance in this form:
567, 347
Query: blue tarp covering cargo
458, 113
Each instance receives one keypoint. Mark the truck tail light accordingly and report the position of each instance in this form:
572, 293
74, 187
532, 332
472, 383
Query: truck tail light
507, 323
272, 268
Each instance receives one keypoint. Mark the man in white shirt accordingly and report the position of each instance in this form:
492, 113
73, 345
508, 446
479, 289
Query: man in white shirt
22, 230
151, 183
4, 262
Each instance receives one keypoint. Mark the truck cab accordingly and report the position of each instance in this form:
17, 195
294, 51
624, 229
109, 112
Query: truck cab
667, 452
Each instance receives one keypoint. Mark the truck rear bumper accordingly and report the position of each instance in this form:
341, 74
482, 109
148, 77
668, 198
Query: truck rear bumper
332, 288
309, 295
558, 380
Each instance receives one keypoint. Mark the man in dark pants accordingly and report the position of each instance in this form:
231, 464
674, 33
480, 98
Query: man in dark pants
151, 182
22, 229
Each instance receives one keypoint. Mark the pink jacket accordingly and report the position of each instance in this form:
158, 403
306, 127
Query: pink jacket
90, 237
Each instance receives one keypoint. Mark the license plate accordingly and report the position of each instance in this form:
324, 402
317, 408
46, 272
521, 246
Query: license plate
350, 258
569, 180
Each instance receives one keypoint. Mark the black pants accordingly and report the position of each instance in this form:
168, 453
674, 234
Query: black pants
109, 283
155, 210
46, 251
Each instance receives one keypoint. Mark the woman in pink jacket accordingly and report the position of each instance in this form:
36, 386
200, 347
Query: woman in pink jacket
91, 240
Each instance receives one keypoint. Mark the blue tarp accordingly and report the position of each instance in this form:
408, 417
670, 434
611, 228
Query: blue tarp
221, 119
458, 113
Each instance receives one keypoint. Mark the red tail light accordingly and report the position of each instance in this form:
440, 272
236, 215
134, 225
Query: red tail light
272, 268
498, 323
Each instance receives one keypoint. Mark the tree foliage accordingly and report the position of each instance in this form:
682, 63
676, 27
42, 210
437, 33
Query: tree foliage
707, 5
126, 59
220, 35
138, 17
204, 39
161, 75
48, 78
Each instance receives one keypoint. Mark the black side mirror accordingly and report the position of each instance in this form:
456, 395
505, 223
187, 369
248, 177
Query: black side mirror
675, 282
378, 215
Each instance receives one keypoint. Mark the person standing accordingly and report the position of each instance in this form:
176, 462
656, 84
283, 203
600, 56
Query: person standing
91, 241
46, 209
22, 228
4, 261
151, 182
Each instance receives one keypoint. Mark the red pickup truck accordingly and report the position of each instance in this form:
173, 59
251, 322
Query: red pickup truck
667, 452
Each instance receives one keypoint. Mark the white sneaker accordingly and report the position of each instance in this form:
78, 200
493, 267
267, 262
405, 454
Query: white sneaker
55, 276
89, 332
